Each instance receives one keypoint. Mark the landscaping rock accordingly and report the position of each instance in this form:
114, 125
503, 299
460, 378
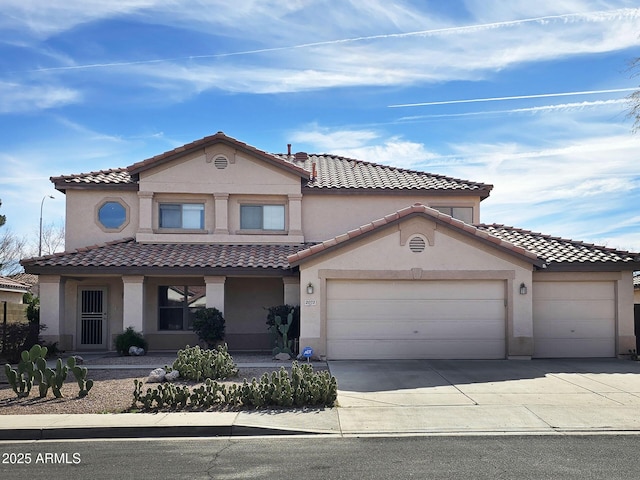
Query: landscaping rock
79, 359
157, 375
172, 376
282, 357
136, 351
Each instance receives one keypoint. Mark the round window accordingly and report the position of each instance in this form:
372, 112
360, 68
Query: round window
112, 215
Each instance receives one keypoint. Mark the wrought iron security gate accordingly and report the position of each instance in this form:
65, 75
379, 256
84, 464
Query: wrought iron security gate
93, 318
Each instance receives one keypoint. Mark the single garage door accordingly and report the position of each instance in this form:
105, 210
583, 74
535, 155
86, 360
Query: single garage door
378, 319
574, 319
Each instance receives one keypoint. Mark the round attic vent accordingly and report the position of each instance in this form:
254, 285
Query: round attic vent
417, 245
221, 162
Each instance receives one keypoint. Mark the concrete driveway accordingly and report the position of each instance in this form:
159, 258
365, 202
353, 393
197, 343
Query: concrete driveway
478, 396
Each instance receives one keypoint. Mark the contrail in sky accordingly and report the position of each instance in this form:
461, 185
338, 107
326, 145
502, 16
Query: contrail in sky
588, 16
518, 97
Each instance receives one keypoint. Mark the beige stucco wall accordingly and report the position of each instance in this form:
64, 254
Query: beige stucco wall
11, 297
82, 227
327, 216
452, 256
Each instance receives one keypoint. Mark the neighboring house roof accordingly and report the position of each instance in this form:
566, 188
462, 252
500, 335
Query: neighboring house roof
27, 278
129, 257
541, 250
9, 285
322, 173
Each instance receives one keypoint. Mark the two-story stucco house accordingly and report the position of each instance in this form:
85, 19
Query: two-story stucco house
384, 262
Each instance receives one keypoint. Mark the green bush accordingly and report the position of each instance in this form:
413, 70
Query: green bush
195, 363
130, 338
303, 387
209, 325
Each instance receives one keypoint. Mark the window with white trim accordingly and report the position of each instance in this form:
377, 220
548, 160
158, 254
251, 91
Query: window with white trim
188, 216
262, 217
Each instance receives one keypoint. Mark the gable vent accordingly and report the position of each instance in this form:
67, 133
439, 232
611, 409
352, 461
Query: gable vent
417, 245
221, 162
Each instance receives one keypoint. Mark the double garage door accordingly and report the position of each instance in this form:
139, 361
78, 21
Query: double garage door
381, 319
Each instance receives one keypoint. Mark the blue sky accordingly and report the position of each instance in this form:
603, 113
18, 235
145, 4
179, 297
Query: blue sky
527, 96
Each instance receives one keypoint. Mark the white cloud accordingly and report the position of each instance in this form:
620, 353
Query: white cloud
372, 43
15, 97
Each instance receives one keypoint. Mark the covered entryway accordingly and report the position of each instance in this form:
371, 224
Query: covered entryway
574, 319
377, 319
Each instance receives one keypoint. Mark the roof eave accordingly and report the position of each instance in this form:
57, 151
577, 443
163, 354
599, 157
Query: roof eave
159, 271
394, 191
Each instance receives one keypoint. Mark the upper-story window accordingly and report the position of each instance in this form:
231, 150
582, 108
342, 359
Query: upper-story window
112, 215
262, 217
461, 213
182, 215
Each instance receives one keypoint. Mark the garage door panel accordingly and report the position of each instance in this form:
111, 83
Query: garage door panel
412, 349
415, 319
418, 309
409, 290
416, 329
574, 319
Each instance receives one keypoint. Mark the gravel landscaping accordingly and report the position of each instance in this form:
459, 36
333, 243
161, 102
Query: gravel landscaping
113, 388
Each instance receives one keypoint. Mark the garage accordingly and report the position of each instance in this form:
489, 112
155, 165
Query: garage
378, 319
574, 319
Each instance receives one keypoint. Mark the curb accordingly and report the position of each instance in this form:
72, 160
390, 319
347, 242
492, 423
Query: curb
78, 433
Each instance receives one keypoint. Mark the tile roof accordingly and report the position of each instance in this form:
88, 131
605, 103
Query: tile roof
299, 256
542, 250
26, 278
127, 254
7, 283
556, 250
113, 177
335, 172
331, 172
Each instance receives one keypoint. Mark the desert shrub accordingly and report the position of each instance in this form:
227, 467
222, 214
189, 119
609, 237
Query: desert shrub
16, 337
130, 338
195, 363
209, 325
303, 387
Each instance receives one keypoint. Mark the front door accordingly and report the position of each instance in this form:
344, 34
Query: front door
93, 318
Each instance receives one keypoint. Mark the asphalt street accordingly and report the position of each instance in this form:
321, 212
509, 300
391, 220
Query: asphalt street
326, 457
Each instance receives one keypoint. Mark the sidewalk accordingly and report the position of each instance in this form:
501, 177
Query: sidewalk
402, 398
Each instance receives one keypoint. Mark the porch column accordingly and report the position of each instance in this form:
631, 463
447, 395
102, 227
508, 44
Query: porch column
133, 302
215, 292
222, 214
51, 308
291, 290
295, 214
145, 212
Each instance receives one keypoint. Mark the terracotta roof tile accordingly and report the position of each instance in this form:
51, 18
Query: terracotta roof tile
332, 172
556, 250
128, 254
7, 283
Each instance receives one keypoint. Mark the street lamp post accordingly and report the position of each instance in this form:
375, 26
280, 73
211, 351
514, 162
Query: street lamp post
40, 239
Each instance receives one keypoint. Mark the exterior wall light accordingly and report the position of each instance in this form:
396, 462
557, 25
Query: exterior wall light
310, 288
523, 289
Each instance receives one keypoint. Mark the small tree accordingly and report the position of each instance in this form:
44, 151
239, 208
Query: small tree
209, 325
